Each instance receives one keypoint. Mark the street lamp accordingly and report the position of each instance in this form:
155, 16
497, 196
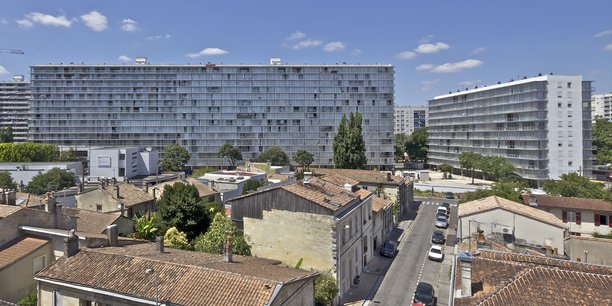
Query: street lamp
152, 271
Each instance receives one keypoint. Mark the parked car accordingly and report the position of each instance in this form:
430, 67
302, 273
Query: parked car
435, 253
442, 209
389, 249
438, 237
441, 222
441, 214
450, 195
424, 294
447, 205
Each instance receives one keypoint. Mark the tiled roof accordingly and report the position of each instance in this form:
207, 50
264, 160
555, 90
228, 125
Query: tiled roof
339, 180
7, 210
185, 278
323, 193
500, 278
379, 203
18, 248
203, 189
362, 176
493, 202
571, 203
91, 221
128, 194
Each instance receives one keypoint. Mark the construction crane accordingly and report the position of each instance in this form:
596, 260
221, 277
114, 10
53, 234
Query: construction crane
12, 51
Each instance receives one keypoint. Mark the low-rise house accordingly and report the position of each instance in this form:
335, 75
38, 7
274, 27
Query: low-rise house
125, 198
506, 221
122, 163
206, 193
502, 278
96, 222
322, 223
230, 183
582, 216
146, 274
383, 220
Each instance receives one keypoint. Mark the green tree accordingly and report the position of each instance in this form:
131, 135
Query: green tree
446, 169
349, 145
201, 171
146, 227
303, 158
275, 155
231, 153
400, 146
175, 158
325, 290
53, 180
180, 206
29, 300
214, 239
602, 141
469, 161
17, 152
574, 185
251, 185
68, 155
176, 239
511, 190
6, 134
416, 146
213, 208
495, 167
6, 181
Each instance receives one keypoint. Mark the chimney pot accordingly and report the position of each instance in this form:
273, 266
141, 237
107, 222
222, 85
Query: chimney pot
159, 244
389, 178
227, 250
71, 244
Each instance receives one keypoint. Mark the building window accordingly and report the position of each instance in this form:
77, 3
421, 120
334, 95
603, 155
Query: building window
569, 84
98, 207
57, 298
601, 220
569, 164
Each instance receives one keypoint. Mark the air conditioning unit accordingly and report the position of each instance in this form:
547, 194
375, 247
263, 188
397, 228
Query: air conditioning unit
506, 230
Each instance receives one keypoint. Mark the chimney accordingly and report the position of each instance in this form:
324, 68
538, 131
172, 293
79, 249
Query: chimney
71, 244
227, 250
532, 200
159, 244
465, 264
307, 175
348, 187
11, 197
2, 197
59, 217
50, 205
116, 187
146, 187
389, 178
112, 235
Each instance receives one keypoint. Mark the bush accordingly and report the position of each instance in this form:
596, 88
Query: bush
29, 300
325, 290
176, 239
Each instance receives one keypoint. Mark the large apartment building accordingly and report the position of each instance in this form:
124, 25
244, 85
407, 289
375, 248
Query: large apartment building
203, 107
601, 106
409, 118
14, 107
542, 125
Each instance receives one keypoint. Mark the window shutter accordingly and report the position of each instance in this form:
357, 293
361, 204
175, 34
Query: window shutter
597, 223
564, 216
578, 218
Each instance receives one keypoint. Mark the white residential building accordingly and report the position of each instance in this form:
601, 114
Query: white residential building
409, 118
602, 106
122, 163
14, 106
542, 125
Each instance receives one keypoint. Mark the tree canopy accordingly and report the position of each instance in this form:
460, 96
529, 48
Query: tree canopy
399, 146
349, 145
176, 239
180, 206
146, 227
175, 158
28, 152
602, 141
52, 180
446, 168
214, 239
507, 189
6, 134
493, 167
231, 153
326, 290
6, 181
303, 158
275, 155
416, 146
469, 161
574, 185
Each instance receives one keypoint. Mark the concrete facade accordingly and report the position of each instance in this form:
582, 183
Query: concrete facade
590, 250
382, 225
14, 107
601, 107
409, 118
122, 163
587, 225
18, 278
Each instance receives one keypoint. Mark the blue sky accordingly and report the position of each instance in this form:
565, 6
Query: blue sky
435, 46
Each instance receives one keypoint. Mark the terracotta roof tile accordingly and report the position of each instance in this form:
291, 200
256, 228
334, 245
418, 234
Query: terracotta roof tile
129, 194
379, 204
7, 210
494, 202
91, 221
321, 192
18, 248
339, 180
185, 278
571, 203
362, 176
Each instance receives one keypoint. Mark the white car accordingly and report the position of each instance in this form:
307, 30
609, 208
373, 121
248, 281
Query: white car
435, 253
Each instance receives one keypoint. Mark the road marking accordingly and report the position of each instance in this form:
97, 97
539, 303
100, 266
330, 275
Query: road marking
420, 274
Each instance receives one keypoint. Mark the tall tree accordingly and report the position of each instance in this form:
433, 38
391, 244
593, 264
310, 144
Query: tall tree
469, 161
303, 158
574, 185
400, 146
495, 167
180, 206
175, 158
446, 168
602, 140
6, 134
349, 145
52, 180
6, 181
416, 146
275, 155
214, 239
231, 153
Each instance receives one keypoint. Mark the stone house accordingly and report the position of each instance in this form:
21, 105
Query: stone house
125, 198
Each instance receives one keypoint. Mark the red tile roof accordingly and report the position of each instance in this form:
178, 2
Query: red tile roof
18, 248
321, 192
571, 203
91, 221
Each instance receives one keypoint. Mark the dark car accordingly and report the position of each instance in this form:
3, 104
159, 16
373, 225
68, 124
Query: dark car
438, 237
445, 205
424, 294
450, 195
389, 249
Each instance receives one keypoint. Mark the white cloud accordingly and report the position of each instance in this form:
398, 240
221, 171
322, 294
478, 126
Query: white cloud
125, 58
426, 39
4, 21
3, 70
156, 37
603, 33
44, 19
424, 67
129, 25
296, 35
478, 50
334, 46
427, 85
208, 51
431, 48
95, 21
457, 66
406, 55
306, 44
608, 47
356, 52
